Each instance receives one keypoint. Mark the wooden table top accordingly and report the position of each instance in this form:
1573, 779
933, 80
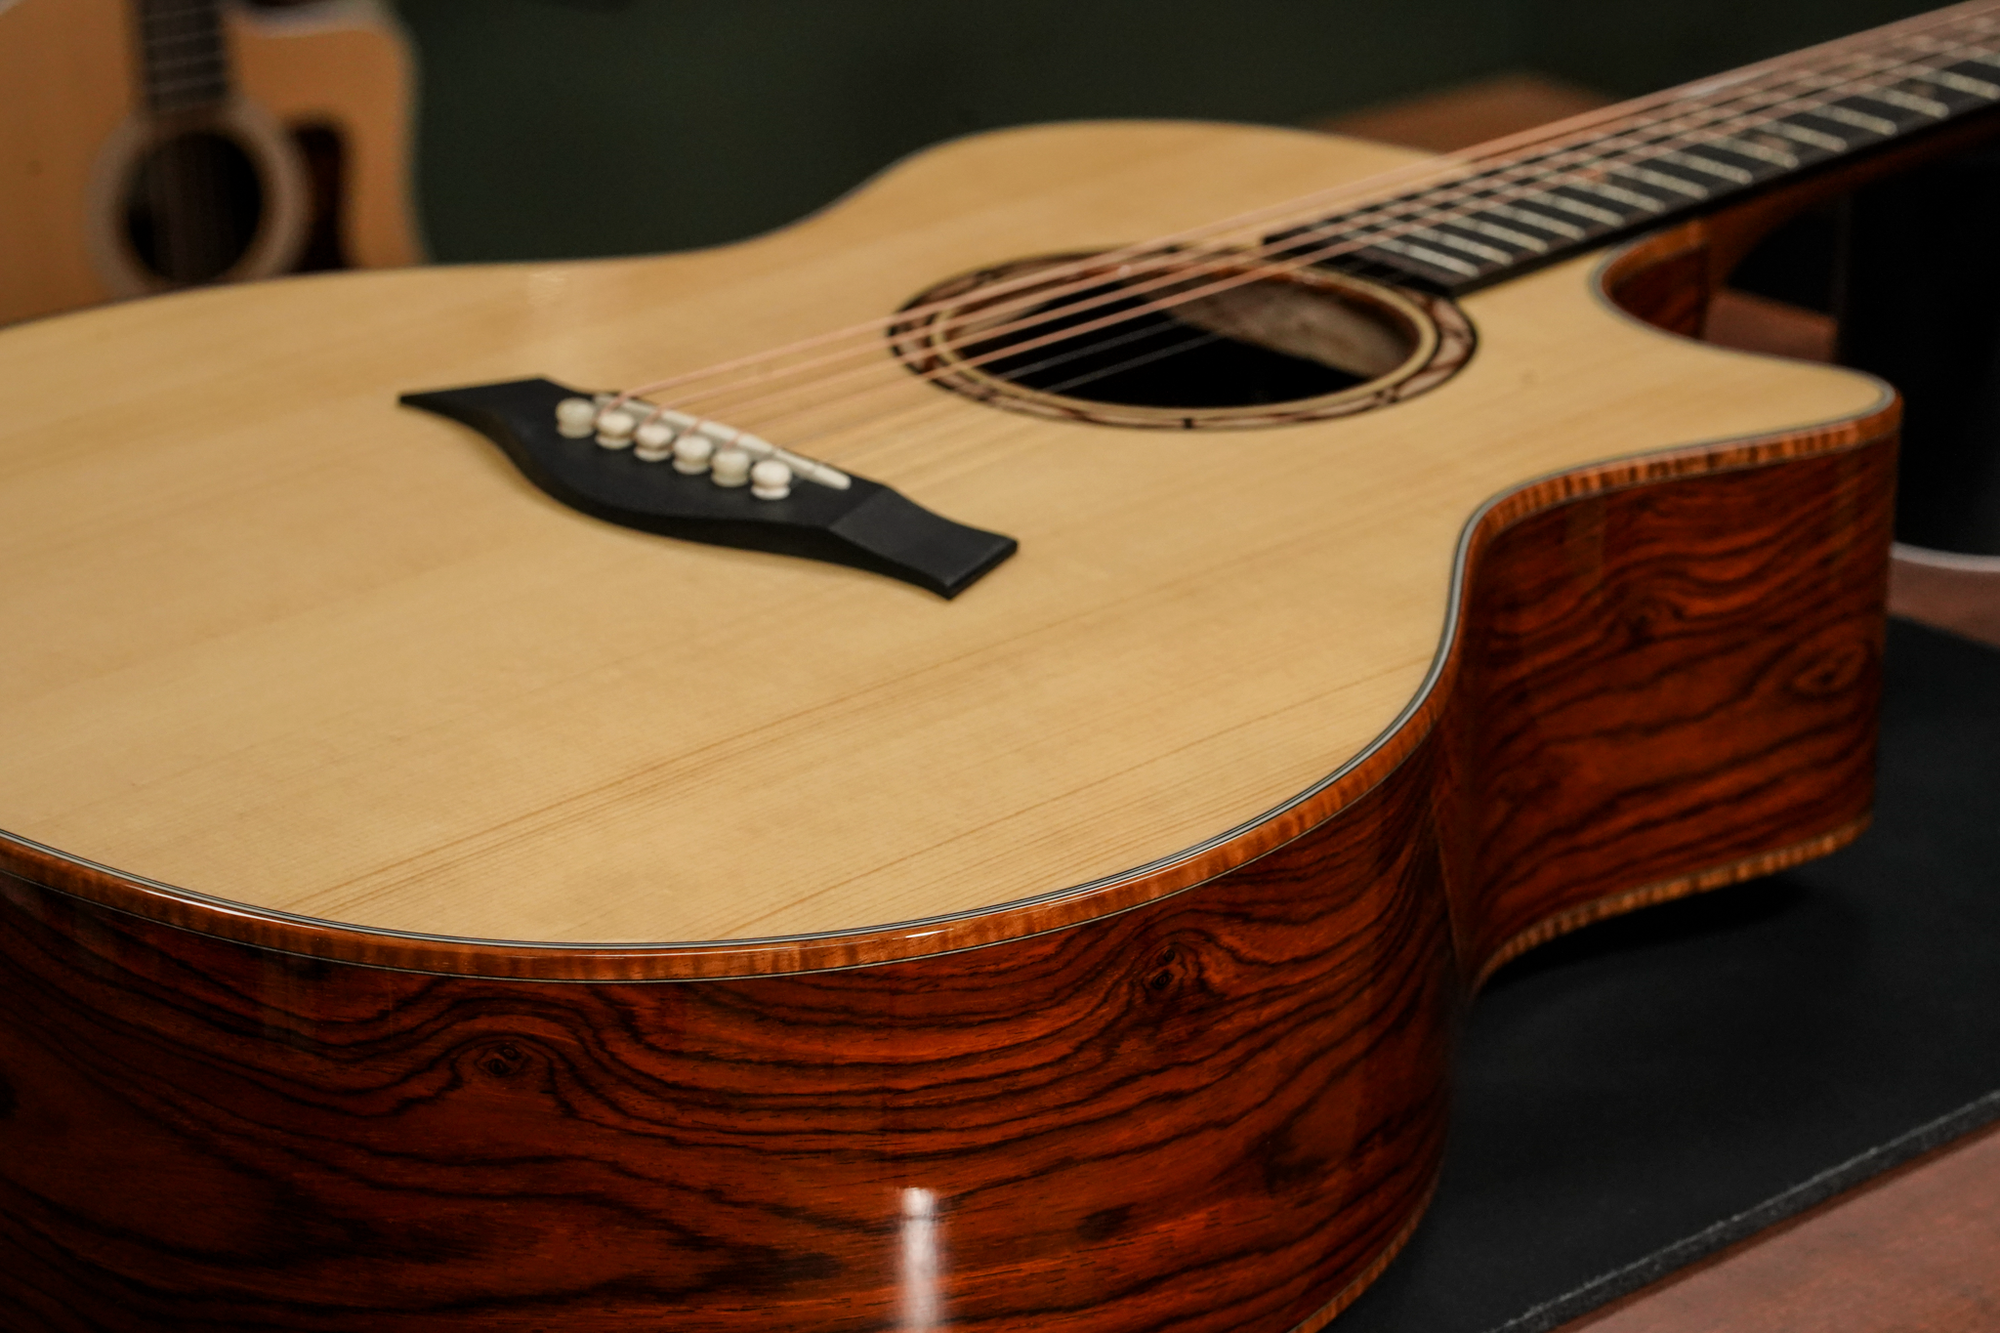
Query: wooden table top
1916, 1250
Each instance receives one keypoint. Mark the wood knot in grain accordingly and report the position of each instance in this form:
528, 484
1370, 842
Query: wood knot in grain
1830, 669
501, 1060
1166, 972
1651, 618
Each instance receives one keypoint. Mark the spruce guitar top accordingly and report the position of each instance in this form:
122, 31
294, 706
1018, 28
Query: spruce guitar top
428, 906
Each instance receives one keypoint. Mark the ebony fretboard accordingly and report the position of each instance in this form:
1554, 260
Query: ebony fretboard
1659, 158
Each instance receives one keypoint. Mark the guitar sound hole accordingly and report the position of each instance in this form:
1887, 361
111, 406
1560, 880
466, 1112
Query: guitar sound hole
1152, 357
1138, 346
193, 206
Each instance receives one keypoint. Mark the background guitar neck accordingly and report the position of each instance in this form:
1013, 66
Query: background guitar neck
183, 56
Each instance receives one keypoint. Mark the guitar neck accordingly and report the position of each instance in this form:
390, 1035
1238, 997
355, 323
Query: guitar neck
183, 58
1512, 206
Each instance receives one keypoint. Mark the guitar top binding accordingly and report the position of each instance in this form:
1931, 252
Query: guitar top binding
859, 523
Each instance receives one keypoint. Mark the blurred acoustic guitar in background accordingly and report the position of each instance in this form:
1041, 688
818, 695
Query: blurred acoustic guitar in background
147, 145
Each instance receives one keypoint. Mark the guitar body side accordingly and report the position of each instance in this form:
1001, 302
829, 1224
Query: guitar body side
1221, 1109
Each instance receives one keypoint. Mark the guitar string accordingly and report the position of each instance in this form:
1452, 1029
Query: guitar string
1737, 86
876, 420
1435, 168
1342, 235
1432, 169
1194, 341
1352, 238
1363, 228
938, 405
1349, 240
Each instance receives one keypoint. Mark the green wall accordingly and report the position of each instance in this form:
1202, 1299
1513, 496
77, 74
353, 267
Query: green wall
553, 129
1629, 48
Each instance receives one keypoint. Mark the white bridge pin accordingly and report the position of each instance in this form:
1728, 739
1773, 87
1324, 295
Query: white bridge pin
692, 452
656, 433
655, 441
576, 418
729, 467
614, 428
770, 480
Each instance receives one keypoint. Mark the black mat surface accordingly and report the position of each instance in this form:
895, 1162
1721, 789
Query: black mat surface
1655, 1087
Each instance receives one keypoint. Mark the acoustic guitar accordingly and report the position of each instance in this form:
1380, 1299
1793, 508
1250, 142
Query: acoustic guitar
148, 145
952, 766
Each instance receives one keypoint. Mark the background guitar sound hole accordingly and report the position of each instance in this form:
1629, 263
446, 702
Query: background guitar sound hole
193, 207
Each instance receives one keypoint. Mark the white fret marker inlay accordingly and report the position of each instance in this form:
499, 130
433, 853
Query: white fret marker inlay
1665, 181
1435, 258
1860, 120
1708, 166
1619, 195
1959, 83
1469, 247
1923, 106
1777, 157
1507, 234
1804, 135
1542, 220
1577, 208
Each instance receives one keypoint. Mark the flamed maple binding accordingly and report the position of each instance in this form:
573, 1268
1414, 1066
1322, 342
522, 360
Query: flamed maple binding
1081, 954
